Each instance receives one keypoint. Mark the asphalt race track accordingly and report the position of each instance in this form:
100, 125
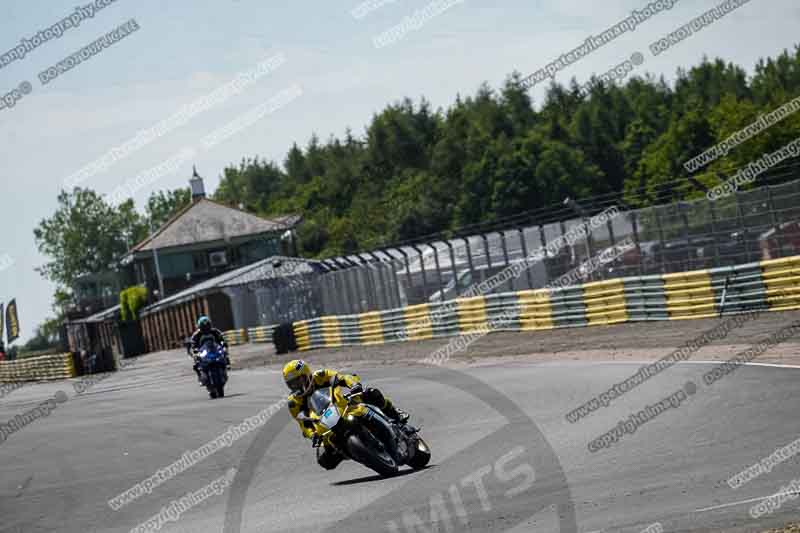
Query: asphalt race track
505, 458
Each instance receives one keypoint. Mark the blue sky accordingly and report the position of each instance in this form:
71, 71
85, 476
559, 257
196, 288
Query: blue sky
184, 50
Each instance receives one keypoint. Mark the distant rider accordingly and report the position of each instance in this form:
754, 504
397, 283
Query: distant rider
206, 332
303, 382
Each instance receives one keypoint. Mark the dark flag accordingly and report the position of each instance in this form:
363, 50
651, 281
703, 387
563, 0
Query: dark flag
2, 322
12, 321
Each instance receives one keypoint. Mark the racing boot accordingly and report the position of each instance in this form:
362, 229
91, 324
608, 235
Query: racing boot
398, 415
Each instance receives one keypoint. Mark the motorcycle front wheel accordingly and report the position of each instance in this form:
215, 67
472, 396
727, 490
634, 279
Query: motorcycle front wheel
422, 455
216, 386
372, 455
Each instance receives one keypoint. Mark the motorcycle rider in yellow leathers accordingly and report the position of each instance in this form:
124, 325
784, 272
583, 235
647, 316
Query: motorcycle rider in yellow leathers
302, 382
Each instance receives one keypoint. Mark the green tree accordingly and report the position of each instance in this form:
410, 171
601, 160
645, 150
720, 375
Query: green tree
656, 177
494, 154
163, 205
86, 236
46, 336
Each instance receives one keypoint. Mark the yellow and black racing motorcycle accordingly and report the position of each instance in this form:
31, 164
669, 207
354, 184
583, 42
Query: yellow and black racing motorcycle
363, 433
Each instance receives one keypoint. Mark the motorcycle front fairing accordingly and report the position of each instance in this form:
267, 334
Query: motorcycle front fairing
212, 354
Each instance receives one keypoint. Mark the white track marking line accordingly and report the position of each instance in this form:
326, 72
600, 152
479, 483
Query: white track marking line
751, 500
773, 365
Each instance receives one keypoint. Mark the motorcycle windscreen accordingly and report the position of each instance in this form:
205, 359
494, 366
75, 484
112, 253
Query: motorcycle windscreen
320, 403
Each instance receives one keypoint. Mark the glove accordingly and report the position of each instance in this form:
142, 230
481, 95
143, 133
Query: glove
358, 388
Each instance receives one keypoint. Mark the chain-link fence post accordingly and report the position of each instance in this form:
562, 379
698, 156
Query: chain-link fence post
504, 247
352, 299
662, 245
438, 267
486, 251
452, 265
326, 295
773, 216
392, 259
545, 261
365, 272
332, 279
351, 275
590, 248
380, 295
611, 236
562, 227
712, 211
505, 258
687, 236
424, 275
409, 280
335, 297
634, 218
527, 266
742, 228
469, 263
340, 296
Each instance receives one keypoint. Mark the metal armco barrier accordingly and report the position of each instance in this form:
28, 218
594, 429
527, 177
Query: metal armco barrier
781, 283
772, 285
259, 334
44, 367
235, 337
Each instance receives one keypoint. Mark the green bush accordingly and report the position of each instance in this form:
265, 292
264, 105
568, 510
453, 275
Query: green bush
131, 301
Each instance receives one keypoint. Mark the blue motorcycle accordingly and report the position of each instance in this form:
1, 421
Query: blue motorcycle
213, 363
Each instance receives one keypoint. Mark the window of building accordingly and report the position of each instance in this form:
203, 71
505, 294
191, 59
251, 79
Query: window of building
235, 256
218, 259
200, 260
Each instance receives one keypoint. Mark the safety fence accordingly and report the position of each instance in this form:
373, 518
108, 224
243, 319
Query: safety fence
772, 285
755, 225
45, 367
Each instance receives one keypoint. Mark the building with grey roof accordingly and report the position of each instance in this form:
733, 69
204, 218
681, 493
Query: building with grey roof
204, 240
